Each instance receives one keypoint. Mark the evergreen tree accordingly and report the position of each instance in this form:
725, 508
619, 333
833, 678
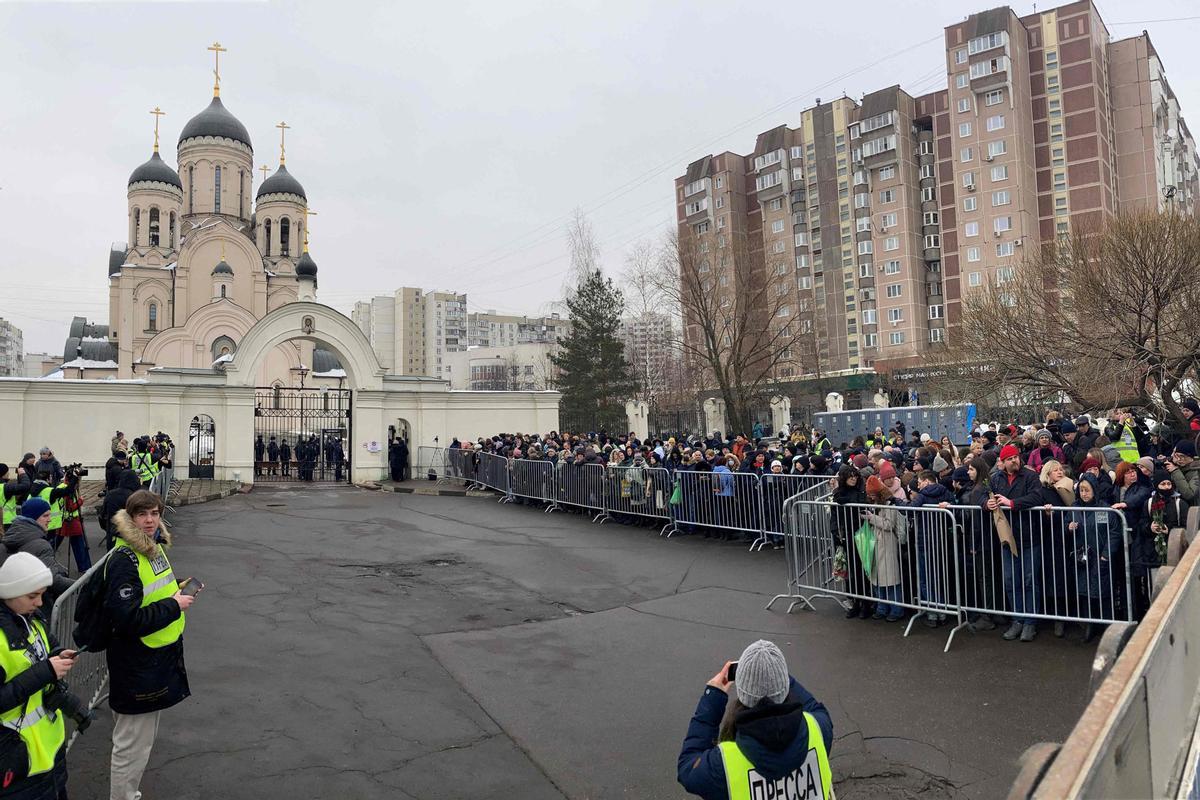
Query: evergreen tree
594, 377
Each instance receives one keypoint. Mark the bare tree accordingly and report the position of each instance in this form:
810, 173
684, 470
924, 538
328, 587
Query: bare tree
648, 310
1106, 318
739, 321
584, 249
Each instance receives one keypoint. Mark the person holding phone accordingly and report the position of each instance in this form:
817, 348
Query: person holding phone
757, 733
145, 657
33, 753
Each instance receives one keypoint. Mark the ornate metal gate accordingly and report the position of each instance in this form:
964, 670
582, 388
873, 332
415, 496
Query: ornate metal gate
202, 447
301, 434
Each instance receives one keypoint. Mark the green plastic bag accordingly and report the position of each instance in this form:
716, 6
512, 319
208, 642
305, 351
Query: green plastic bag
677, 494
864, 542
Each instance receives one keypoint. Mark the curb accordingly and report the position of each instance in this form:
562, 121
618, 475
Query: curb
192, 501
433, 491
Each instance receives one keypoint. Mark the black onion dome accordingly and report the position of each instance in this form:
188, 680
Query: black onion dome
306, 267
215, 121
222, 269
156, 171
281, 182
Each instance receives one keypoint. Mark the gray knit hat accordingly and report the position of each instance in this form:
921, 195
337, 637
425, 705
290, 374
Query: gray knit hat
762, 673
939, 464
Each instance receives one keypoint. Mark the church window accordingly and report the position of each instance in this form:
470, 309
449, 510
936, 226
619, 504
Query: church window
241, 192
267, 238
191, 190
217, 190
285, 236
222, 290
137, 227
154, 227
153, 326
171, 233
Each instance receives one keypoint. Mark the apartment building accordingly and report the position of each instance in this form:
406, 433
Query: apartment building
12, 350
649, 346
489, 329
412, 330
503, 368
878, 216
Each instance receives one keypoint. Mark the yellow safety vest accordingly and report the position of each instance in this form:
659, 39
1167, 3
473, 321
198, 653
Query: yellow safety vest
41, 729
10, 510
745, 783
158, 582
1126, 445
143, 465
56, 508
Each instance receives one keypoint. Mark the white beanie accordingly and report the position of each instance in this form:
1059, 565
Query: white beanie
21, 574
762, 673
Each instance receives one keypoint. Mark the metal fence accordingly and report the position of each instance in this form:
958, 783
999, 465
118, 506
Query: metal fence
493, 473
429, 459
636, 492
721, 501
89, 677
580, 487
960, 564
775, 492
533, 480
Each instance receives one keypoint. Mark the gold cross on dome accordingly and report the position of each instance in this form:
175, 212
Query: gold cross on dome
283, 129
265, 169
216, 50
157, 112
308, 212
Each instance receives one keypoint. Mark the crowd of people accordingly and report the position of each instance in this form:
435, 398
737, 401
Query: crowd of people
137, 604
1051, 515
277, 457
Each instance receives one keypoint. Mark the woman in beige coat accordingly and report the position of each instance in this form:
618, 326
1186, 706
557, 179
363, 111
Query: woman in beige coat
885, 522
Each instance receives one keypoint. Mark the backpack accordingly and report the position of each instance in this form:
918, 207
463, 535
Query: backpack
93, 621
901, 527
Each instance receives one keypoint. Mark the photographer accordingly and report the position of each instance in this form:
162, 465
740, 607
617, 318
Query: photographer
33, 762
772, 739
48, 463
27, 534
15, 491
145, 657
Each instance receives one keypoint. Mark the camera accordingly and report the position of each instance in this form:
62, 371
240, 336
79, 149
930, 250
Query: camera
60, 698
75, 470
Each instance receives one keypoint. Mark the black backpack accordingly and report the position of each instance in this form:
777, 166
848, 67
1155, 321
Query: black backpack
93, 621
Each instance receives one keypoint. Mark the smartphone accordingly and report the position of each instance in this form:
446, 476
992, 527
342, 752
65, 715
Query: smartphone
191, 587
732, 674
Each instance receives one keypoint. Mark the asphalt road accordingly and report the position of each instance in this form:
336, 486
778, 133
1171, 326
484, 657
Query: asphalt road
356, 644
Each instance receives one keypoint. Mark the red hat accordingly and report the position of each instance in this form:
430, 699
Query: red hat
1089, 463
1009, 451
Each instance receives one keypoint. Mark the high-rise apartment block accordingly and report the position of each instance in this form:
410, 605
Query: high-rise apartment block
412, 330
489, 329
12, 350
873, 219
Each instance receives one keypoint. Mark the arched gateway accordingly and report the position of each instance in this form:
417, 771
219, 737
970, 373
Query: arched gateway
308, 433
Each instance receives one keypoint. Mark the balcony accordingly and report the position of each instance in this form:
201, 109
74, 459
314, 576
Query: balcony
989, 73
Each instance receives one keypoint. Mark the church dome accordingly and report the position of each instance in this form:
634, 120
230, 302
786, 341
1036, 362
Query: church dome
215, 121
306, 267
222, 269
156, 171
281, 182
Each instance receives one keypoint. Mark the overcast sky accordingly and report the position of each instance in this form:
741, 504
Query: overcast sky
442, 145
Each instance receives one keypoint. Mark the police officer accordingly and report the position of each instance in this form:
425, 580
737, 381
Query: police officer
33, 761
773, 742
145, 656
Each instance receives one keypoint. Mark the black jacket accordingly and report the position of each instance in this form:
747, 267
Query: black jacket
25, 536
143, 679
116, 498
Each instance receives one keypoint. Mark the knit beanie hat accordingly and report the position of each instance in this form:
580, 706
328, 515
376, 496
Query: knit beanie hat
939, 464
1089, 463
886, 471
1044, 434
1066, 426
859, 460
874, 486
1111, 453
1146, 463
1192, 405
762, 673
33, 508
23, 573
1009, 451
961, 475
1160, 475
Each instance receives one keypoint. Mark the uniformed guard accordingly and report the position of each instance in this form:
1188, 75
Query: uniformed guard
33, 762
773, 737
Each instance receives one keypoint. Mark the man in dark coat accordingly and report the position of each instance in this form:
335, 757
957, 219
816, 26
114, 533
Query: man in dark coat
1014, 490
272, 457
285, 457
115, 500
259, 450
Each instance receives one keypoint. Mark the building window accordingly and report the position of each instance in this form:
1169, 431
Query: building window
222, 290
975, 279
964, 105
241, 193
783, 311
964, 129
893, 289
972, 252
927, 171
1005, 274
994, 98
995, 123
778, 247
936, 312
970, 203
801, 239
1002, 224
1052, 84
1060, 181
895, 314
154, 227
1062, 228
191, 189
285, 236
887, 221
997, 148
966, 154
152, 319
1001, 198
961, 80
1056, 133
137, 227
891, 243
896, 337
887, 173
862, 224
868, 316
865, 248
891, 268
720, 181
1000, 173
926, 148
267, 238
1056, 157
930, 218
870, 339
933, 241
935, 335
777, 226
1060, 205
887, 196
968, 180
960, 56
776, 204
864, 270
216, 190
971, 229
1051, 59
927, 195
804, 282
1006, 249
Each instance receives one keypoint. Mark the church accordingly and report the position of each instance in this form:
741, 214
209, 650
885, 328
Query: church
206, 256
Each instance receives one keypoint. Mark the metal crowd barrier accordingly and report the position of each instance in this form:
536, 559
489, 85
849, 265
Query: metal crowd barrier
89, 677
460, 465
533, 480
430, 458
725, 500
636, 492
775, 491
494, 474
581, 486
1066, 564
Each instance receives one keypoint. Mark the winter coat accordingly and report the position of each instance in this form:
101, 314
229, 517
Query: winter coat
142, 679
26, 536
116, 498
1174, 515
50, 465
773, 737
1187, 482
844, 522
16, 692
1025, 491
1040, 455
1098, 546
931, 526
885, 522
